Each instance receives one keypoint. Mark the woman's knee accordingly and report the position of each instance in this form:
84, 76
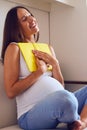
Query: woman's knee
69, 107
69, 100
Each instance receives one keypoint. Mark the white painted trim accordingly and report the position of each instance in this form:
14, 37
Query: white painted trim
67, 2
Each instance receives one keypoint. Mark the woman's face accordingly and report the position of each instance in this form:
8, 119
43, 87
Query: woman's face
27, 22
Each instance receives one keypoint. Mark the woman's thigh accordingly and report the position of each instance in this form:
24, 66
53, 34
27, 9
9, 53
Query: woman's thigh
81, 96
60, 106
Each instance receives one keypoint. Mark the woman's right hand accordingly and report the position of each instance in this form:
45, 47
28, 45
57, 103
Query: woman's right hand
41, 65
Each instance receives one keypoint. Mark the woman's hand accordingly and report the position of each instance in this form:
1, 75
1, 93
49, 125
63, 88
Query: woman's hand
41, 65
47, 58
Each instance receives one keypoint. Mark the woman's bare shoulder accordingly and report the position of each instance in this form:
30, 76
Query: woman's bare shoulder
12, 51
12, 47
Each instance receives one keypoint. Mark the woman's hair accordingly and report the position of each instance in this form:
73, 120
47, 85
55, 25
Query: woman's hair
12, 31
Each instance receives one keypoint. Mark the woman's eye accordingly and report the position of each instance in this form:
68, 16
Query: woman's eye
24, 18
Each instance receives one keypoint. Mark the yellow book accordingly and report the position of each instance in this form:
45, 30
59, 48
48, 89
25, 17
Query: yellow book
26, 49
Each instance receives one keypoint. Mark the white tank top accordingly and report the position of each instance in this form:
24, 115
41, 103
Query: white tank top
39, 90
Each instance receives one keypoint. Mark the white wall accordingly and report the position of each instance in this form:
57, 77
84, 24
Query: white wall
40, 11
69, 38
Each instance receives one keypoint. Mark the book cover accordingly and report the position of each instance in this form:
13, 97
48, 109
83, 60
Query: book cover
26, 49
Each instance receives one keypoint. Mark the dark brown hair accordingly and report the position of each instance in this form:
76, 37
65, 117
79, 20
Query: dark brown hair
12, 31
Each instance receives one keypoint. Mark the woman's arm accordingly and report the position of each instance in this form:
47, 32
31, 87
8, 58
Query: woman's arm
13, 85
57, 74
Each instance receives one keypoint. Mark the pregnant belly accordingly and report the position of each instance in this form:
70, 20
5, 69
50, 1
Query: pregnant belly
43, 87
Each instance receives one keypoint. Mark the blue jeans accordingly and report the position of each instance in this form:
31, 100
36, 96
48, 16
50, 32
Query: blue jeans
60, 106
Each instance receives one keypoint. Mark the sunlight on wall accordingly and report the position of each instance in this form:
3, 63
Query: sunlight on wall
67, 2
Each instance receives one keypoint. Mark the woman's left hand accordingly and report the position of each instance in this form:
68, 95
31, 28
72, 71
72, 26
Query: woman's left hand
47, 58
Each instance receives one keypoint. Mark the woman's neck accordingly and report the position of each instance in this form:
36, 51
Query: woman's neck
30, 39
